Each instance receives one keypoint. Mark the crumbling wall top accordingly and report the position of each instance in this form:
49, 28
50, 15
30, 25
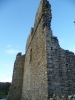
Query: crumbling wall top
19, 54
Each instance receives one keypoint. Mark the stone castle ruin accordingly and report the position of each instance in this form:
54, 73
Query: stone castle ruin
46, 71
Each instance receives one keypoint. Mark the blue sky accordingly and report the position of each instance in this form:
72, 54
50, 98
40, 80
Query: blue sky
16, 19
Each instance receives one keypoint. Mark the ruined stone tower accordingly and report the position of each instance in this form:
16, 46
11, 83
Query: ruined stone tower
17, 79
47, 70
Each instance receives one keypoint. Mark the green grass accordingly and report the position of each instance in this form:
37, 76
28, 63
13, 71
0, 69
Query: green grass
3, 93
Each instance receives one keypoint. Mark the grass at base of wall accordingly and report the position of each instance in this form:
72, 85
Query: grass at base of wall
3, 93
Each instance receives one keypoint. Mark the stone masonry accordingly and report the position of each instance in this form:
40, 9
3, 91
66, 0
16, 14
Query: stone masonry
17, 79
46, 71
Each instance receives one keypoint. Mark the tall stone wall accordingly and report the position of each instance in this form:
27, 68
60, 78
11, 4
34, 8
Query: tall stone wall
35, 85
59, 65
35, 71
46, 71
15, 90
61, 68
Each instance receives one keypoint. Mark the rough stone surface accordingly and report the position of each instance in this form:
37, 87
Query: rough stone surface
49, 70
15, 90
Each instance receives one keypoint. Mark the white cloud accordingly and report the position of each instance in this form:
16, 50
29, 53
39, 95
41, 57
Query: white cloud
17, 46
6, 77
12, 51
9, 46
8, 65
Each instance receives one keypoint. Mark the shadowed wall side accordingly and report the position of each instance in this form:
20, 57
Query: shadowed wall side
15, 90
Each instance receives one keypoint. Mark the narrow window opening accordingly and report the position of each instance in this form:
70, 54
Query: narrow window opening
67, 64
30, 55
19, 86
51, 48
60, 72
